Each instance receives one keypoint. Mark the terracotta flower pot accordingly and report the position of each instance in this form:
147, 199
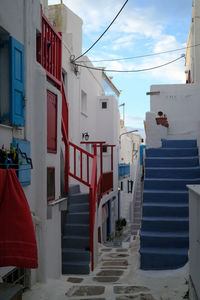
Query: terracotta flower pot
162, 121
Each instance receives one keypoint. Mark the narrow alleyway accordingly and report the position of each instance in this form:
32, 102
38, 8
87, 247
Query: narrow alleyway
116, 277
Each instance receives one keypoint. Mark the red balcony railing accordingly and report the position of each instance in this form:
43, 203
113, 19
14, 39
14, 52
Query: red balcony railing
49, 51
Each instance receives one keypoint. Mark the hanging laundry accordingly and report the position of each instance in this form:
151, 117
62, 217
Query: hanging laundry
17, 236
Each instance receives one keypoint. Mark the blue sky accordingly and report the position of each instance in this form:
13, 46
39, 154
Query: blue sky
143, 27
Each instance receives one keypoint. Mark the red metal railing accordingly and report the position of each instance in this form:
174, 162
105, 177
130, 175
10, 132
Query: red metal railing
81, 157
49, 51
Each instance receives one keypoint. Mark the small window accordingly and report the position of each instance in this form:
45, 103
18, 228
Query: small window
104, 105
122, 186
104, 149
83, 103
50, 184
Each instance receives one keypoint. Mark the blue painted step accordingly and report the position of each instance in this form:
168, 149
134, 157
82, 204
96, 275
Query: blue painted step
163, 196
79, 198
76, 239
79, 207
179, 143
187, 172
72, 241
76, 229
74, 254
156, 209
77, 267
78, 218
172, 162
163, 258
168, 183
171, 152
165, 224
164, 239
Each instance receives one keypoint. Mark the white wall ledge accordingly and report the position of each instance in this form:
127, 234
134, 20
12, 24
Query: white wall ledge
194, 188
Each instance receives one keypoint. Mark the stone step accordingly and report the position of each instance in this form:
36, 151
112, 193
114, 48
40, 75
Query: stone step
163, 258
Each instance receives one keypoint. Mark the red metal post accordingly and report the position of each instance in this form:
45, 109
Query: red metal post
111, 158
75, 161
81, 165
87, 169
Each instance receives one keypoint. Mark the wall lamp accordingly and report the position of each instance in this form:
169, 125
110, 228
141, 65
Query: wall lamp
85, 136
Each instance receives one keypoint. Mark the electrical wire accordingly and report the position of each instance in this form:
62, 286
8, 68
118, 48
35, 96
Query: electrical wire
129, 71
140, 56
102, 33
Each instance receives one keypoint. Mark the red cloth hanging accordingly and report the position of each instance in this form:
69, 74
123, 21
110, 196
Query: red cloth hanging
17, 236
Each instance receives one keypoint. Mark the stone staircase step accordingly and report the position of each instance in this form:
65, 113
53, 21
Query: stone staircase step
74, 189
165, 224
81, 242
76, 238
172, 161
163, 258
179, 143
164, 239
171, 152
78, 218
154, 209
74, 254
185, 173
162, 196
79, 207
77, 229
79, 198
168, 183
78, 268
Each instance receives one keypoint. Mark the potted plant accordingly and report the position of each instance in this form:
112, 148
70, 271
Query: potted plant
162, 119
120, 224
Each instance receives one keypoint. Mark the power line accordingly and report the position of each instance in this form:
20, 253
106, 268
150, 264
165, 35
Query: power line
130, 71
102, 33
140, 56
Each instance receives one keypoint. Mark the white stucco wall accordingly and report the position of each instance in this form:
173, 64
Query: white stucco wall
14, 19
181, 105
194, 234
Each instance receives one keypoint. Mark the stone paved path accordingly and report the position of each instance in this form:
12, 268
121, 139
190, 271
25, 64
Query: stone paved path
117, 277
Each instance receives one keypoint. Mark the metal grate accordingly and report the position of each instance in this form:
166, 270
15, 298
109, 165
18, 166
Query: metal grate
18, 276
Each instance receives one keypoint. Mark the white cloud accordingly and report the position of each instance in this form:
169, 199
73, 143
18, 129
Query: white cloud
134, 121
130, 27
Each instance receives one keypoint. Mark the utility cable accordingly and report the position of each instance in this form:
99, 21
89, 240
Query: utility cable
130, 71
140, 56
102, 33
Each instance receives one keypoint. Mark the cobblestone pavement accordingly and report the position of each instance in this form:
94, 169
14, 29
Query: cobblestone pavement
117, 277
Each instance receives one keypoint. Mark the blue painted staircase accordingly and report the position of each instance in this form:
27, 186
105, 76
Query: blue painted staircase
164, 238
76, 237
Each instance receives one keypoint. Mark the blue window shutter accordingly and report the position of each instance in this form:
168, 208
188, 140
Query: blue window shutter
24, 176
16, 83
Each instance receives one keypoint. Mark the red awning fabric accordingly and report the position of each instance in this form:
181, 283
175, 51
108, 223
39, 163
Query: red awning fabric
17, 235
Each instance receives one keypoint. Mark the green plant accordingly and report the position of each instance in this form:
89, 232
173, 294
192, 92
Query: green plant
120, 223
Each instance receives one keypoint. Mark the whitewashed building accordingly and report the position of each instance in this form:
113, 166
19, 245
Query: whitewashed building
55, 92
180, 103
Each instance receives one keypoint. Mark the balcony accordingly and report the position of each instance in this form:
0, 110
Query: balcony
49, 51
